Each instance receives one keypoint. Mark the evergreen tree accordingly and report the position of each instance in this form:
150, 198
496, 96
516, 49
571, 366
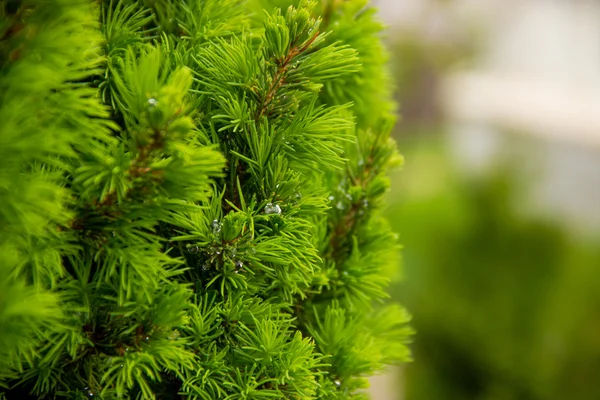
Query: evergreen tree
189, 196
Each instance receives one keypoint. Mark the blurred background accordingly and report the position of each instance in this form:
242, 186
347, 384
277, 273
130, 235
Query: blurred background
498, 204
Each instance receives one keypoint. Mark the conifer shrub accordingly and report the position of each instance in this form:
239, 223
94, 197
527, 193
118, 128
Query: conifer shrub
189, 200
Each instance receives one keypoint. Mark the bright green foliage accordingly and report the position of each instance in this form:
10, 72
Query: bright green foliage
189, 196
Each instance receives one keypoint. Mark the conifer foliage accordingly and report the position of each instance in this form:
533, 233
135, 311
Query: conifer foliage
189, 196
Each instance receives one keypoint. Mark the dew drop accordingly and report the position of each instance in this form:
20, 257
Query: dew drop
340, 205
152, 102
331, 198
147, 338
271, 208
216, 227
239, 265
365, 203
206, 266
337, 383
232, 252
192, 249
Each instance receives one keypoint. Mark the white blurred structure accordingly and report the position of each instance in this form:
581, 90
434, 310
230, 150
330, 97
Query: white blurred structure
538, 73
540, 67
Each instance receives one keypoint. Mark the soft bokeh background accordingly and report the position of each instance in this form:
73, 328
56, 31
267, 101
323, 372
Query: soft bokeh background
498, 204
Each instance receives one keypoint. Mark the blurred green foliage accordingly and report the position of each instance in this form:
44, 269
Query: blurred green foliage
505, 306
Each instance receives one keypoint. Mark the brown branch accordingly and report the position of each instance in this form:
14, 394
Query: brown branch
14, 28
348, 222
138, 168
279, 76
